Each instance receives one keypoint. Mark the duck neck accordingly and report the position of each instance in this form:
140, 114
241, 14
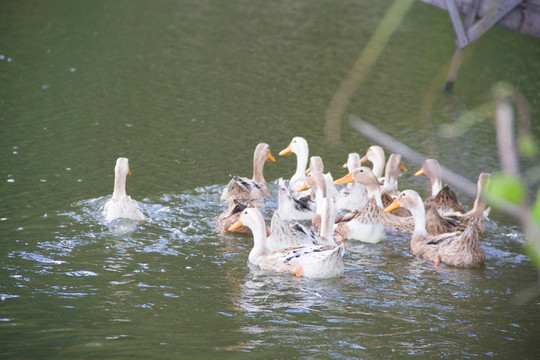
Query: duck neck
327, 219
480, 202
258, 166
374, 190
419, 215
301, 164
259, 242
378, 167
436, 186
119, 185
390, 182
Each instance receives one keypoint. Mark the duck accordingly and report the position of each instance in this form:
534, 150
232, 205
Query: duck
390, 184
231, 215
364, 225
241, 188
121, 205
478, 214
316, 181
311, 261
354, 196
291, 207
285, 234
459, 249
436, 224
298, 146
316, 164
442, 197
375, 155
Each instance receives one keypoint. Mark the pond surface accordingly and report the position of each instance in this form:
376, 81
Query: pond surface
185, 90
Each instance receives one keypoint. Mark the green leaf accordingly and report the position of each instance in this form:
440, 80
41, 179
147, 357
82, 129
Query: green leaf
527, 146
536, 208
506, 187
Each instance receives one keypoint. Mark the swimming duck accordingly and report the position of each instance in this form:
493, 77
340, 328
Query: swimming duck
443, 198
316, 164
375, 154
312, 261
364, 225
291, 207
325, 206
460, 249
291, 233
435, 223
228, 217
354, 196
390, 184
241, 188
121, 205
298, 146
477, 215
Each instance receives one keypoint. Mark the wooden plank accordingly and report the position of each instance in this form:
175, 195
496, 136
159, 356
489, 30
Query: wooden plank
490, 19
471, 13
525, 18
462, 38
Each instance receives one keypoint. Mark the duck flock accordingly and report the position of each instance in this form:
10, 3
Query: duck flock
316, 216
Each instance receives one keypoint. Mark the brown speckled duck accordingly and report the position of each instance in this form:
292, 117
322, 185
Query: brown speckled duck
436, 224
443, 198
460, 249
364, 225
477, 215
227, 218
241, 188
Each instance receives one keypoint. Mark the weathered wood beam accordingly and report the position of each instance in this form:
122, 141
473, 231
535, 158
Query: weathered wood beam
462, 38
525, 18
457, 59
490, 19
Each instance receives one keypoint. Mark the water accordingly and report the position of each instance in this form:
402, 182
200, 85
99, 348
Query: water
186, 90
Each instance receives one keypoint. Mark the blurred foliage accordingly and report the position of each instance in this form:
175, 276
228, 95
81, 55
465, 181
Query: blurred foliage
505, 188
508, 192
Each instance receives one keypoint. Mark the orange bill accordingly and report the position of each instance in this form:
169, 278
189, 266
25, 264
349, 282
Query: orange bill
236, 225
270, 158
286, 151
129, 172
364, 159
403, 168
308, 170
304, 187
420, 172
344, 180
393, 206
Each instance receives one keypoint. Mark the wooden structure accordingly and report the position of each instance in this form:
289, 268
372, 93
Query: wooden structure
518, 15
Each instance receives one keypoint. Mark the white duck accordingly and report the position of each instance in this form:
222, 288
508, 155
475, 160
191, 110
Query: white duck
316, 164
291, 207
121, 205
241, 188
286, 234
326, 209
354, 196
364, 225
375, 154
312, 261
298, 146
